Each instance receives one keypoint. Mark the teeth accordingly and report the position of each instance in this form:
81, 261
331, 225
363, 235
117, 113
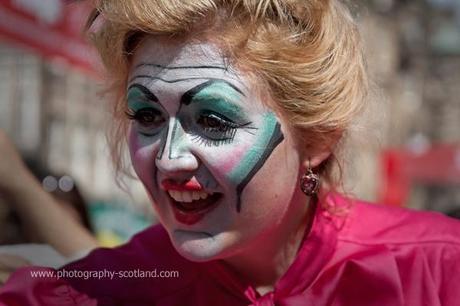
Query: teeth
196, 195
176, 195
203, 195
187, 196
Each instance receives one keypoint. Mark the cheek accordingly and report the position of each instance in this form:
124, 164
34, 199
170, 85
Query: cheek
232, 158
244, 157
268, 198
277, 179
142, 157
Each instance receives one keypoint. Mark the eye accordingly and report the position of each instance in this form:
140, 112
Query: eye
217, 129
215, 124
147, 118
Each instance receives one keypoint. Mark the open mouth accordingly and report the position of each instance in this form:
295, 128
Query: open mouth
191, 206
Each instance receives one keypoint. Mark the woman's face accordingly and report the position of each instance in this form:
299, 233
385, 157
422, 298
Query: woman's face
219, 165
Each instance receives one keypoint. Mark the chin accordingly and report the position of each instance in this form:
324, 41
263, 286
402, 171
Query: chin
197, 246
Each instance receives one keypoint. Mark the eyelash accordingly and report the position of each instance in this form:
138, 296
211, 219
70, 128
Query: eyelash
130, 114
225, 128
137, 116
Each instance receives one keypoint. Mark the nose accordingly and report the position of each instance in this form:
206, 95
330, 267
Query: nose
175, 155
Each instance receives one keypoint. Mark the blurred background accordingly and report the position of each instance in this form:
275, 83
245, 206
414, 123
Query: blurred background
52, 107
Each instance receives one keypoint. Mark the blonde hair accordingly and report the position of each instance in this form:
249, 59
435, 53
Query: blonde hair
307, 52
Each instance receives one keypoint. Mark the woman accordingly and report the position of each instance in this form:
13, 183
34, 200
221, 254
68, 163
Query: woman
235, 112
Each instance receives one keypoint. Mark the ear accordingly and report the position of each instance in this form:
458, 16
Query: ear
315, 160
316, 154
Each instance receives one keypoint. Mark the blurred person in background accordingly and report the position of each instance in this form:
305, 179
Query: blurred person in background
37, 218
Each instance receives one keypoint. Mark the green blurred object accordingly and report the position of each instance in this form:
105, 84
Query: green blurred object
115, 223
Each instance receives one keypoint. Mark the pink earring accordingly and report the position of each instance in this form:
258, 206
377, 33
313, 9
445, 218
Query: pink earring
309, 183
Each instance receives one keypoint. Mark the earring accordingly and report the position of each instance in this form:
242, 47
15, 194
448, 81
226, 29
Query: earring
309, 183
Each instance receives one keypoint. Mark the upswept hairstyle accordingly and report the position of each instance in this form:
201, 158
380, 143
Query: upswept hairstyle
307, 52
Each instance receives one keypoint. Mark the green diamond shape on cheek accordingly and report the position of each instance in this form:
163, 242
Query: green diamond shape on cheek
270, 136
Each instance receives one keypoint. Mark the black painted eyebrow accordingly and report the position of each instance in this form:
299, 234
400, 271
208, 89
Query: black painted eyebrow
188, 96
183, 67
148, 94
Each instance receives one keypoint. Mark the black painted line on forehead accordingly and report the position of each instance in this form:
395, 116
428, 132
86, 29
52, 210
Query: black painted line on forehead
275, 140
183, 67
188, 96
186, 79
148, 94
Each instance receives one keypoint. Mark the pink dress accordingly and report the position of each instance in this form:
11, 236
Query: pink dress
373, 255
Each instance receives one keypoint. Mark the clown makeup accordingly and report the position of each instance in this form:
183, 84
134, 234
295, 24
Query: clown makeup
199, 139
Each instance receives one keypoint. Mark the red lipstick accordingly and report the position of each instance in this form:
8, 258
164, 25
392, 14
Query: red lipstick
188, 218
191, 185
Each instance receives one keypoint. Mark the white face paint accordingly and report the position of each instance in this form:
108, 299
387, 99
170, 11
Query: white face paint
218, 164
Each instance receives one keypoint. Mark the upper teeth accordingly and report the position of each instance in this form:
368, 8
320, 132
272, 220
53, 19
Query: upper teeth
187, 196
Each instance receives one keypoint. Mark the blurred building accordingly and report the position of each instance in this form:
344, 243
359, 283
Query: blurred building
414, 56
52, 106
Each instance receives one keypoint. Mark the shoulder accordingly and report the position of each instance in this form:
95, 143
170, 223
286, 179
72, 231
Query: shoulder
415, 251
41, 286
147, 268
148, 264
149, 246
380, 224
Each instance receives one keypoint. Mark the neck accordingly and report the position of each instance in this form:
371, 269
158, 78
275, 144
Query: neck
266, 261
